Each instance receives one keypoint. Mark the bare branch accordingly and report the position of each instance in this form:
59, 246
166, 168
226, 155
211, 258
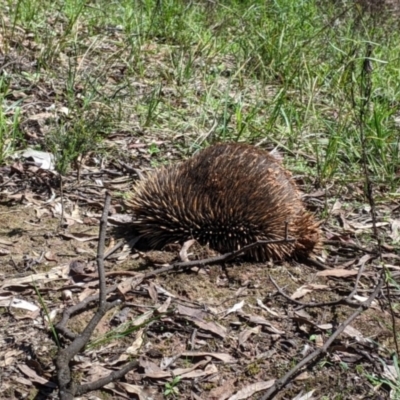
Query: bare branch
280, 383
68, 388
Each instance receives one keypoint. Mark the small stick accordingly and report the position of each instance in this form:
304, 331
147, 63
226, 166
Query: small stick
280, 383
213, 260
344, 300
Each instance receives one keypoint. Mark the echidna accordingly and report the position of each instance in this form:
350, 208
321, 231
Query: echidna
228, 195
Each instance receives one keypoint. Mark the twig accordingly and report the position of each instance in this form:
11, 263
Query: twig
120, 244
344, 300
280, 383
366, 91
62, 202
68, 388
213, 260
62, 325
349, 246
69, 312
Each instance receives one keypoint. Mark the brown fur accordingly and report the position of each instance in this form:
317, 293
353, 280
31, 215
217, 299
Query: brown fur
228, 195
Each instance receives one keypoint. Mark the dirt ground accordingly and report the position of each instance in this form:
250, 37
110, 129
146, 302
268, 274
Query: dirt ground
225, 329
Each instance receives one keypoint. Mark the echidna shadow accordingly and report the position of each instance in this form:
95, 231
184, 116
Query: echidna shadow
228, 195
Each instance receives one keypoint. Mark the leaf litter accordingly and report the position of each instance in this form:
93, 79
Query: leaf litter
202, 327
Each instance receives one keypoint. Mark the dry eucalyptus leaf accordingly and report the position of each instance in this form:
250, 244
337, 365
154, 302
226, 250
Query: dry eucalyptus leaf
137, 343
395, 228
339, 273
142, 318
80, 237
245, 334
255, 319
210, 369
164, 307
6, 242
301, 292
185, 371
252, 389
268, 310
307, 396
4, 252
55, 273
224, 391
152, 292
139, 391
130, 283
186, 246
236, 307
50, 256
226, 358
14, 302
34, 377
213, 327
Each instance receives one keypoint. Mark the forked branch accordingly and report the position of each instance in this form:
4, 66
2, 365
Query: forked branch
68, 388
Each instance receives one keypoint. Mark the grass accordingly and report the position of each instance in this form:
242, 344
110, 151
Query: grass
10, 134
283, 73
171, 388
389, 378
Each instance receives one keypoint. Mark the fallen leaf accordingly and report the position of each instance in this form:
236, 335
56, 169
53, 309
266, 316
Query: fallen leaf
184, 372
152, 370
255, 319
190, 312
6, 242
361, 299
325, 327
340, 273
134, 389
164, 307
137, 343
9, 357
213, 327
226, 358
355, 334
96, 371
163, 291
395, 228
86, 293
303, 376
235, 308
300, 292
34, 377
55, 273
224, 391
337, 206
186, 246
246, 333
17, 303
307, 396
152, 292
22, 380
130, 283
208, 370
268, 310
249, 390
142, 318
43, 159
49, 256
80, 237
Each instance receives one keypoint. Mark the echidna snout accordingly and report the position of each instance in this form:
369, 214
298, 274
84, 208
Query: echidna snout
229, 196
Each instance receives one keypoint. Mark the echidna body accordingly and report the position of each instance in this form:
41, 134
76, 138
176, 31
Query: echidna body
228, 195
